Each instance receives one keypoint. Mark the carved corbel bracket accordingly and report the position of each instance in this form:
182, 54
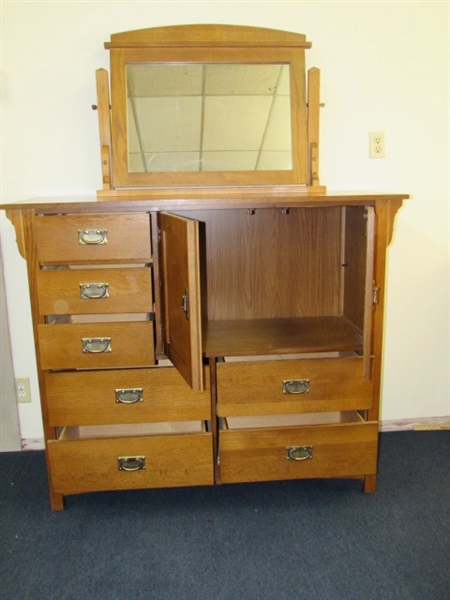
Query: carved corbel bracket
16, 218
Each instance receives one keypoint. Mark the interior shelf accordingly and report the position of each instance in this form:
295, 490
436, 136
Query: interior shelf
280, 336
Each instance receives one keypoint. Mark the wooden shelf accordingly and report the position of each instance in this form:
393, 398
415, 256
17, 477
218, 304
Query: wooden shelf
280, 336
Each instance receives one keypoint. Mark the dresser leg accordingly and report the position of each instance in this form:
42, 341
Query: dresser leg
370, 484
56, 501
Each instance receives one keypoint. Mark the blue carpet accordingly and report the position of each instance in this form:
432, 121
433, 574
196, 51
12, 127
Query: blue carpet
296, 540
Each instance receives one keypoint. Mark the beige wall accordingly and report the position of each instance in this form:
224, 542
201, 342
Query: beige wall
384, 67
9, 421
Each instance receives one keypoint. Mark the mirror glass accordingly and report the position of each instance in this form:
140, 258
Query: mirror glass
208, 117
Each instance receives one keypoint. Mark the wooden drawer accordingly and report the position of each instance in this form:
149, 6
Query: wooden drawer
88, 291
127, 345
344, 448
101, 397
92, 464
256, 388
60, 239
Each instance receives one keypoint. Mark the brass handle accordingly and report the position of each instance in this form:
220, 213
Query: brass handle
296, 386
92, 237
131, 463
96, 345
94, 291
299, 452
129, 395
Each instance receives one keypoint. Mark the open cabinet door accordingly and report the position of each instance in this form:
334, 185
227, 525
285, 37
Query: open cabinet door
180, 275
369, 291
358, 263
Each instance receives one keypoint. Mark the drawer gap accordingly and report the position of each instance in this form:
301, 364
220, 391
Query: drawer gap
135, 430
293, 420
110, 265
98, 318
100, 265
277, 357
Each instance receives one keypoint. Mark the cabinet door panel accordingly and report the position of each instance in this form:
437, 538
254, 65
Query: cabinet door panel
180, 274
358, 274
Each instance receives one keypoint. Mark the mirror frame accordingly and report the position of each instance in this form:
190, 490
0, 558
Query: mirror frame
207, 44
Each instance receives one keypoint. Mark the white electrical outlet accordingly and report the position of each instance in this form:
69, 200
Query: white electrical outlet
377, 145
23, 389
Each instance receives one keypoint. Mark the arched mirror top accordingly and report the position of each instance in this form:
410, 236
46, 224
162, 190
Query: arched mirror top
207, 105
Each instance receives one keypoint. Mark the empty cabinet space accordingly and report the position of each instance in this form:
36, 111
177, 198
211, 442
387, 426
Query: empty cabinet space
284, 281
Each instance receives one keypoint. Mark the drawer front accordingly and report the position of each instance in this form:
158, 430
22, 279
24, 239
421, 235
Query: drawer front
89, 465
290, 386
341, 450
87, 238
96, 345
123, 396
94, 291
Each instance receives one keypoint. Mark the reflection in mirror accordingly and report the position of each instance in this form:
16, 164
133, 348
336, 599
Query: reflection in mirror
208, 117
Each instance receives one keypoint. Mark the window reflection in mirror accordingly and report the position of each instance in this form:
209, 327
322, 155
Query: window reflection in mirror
208, 117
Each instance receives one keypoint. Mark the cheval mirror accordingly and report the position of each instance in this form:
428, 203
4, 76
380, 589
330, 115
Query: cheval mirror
208, 105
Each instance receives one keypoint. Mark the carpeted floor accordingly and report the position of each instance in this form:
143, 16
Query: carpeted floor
296, 540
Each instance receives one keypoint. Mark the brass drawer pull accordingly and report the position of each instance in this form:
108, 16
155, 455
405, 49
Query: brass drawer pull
92, 237
131, 463
129, 395
96, 345
94, 291
299, 452
296, 386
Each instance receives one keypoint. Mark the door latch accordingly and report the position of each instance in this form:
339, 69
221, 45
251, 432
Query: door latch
185, 304
375, 296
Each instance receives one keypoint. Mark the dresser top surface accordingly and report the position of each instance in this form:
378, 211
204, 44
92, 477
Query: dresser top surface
159, 199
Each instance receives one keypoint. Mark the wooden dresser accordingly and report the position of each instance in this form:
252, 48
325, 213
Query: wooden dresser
207, 327
271, 308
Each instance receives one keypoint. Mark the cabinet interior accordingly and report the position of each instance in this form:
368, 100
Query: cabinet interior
270, 285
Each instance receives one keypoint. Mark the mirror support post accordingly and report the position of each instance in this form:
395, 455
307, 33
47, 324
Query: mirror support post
104, 122
313, 124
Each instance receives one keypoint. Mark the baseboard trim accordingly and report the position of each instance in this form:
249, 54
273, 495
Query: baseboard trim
33, 444
423, 424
